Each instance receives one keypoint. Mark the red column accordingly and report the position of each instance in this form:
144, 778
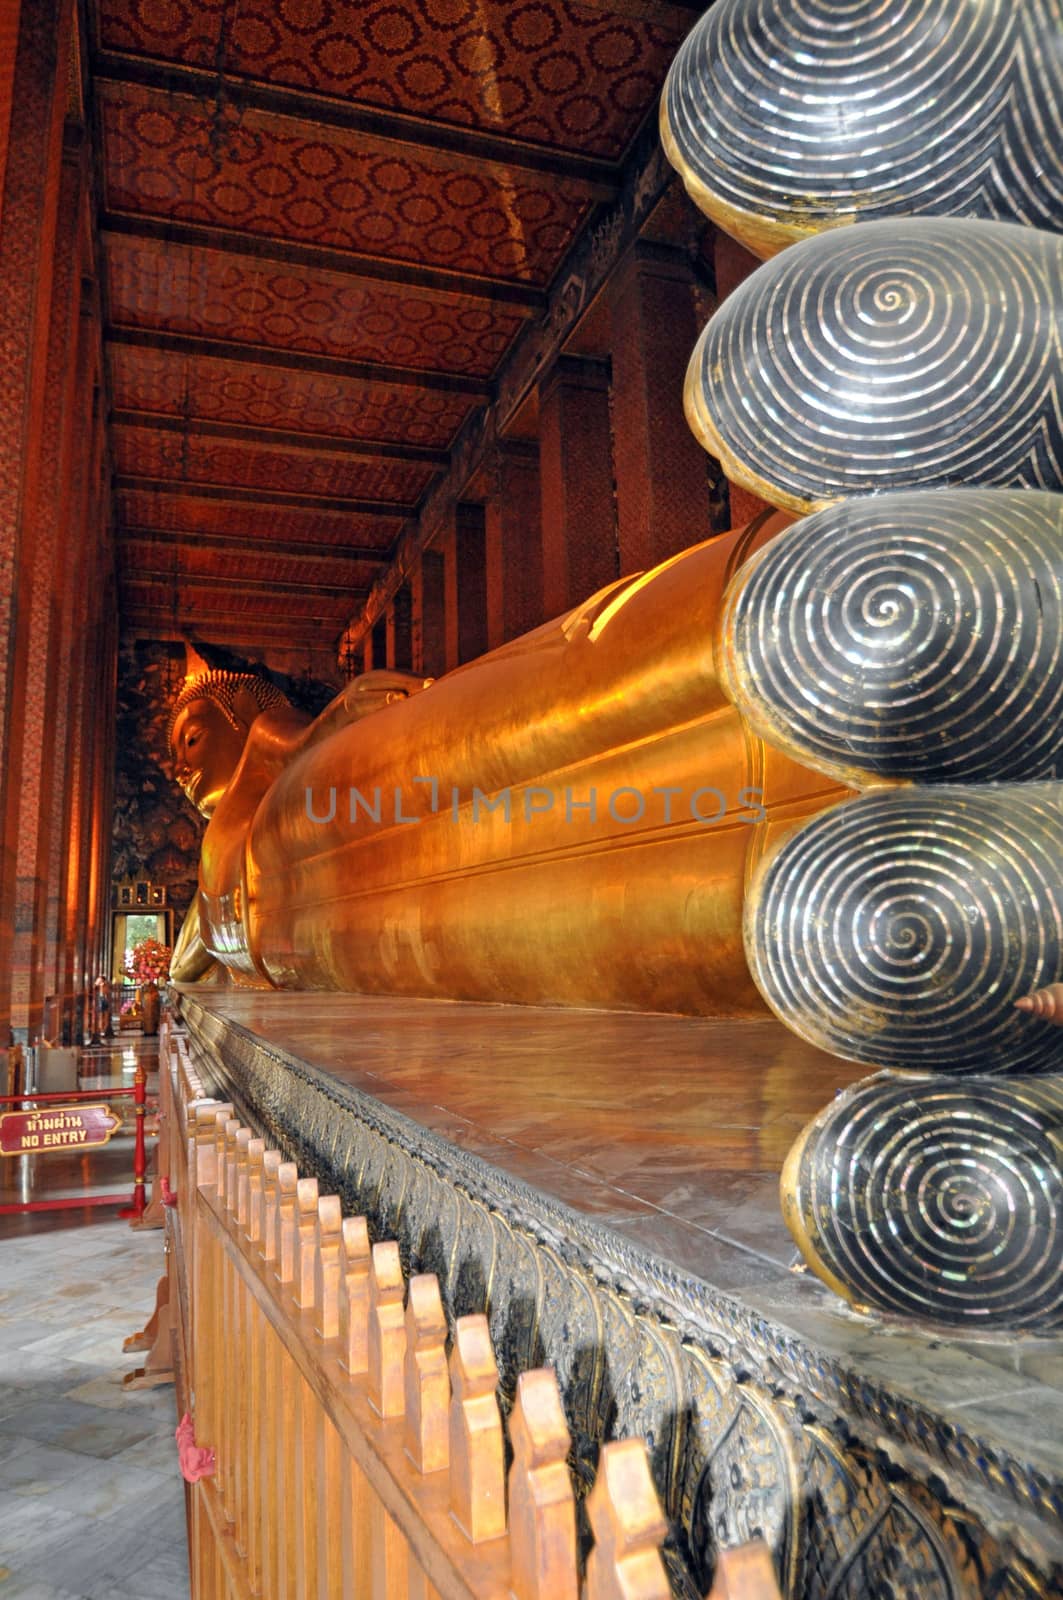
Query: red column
76, 576
470, 549
62, 427
427, 619
399, 645
513, 533
664, 479
376, 644
27, 249
83, 729
576, 476
464, 585
87, 737
9, 21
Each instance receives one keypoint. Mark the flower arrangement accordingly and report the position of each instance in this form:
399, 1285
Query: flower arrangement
149, 962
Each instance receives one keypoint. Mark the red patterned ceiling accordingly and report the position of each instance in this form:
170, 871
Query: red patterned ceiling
175, 512
276, 177
548, 71
149, 555
241, 604
168, 287
326, 224
257, 525
269, 397
145, 453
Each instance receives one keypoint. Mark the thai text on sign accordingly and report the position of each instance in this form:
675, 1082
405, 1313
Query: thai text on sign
24, 1133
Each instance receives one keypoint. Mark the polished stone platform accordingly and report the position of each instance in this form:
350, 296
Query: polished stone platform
606, 1186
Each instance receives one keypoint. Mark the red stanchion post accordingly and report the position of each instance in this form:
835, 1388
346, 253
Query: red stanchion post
140, 1159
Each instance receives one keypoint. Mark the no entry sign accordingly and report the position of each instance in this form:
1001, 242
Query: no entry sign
29, 1133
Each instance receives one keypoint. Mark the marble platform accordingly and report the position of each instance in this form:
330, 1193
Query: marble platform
606, 1187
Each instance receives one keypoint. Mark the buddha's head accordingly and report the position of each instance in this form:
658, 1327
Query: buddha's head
209, 724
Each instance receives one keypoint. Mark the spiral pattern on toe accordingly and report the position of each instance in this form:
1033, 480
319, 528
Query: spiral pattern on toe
898, 929
890, 356
910, 636
942, 1200
787, 116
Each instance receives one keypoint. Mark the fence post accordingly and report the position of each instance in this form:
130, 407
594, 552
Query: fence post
327, 1267
387, 1331
542, 1507
271, 1165
745, 1572
284, 1221
628, 1525
256, 1150
354, 1295
305, 1241
427, 1378
243, 1142
477, 1482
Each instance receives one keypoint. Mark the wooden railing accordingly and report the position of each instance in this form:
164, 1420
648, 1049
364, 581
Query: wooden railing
332, 1446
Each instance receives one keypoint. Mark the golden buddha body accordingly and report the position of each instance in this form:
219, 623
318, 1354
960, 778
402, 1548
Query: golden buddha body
570, 819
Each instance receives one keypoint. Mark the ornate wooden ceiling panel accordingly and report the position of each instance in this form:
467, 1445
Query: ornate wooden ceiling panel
240, 603
172, 288
548, 71
156, 556
264, 525
326, 225
174, 156
148, 453
173, 385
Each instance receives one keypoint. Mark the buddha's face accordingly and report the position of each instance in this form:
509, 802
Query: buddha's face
206, 751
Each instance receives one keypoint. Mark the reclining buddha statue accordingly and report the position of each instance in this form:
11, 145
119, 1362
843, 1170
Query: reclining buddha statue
570, 819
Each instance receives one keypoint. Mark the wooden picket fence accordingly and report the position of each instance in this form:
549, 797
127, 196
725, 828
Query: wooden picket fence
331, 1446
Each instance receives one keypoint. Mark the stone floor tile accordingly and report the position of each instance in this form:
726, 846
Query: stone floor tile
90, 1491
109, 1486
73, 1426
13, 1586
26, 1463
163, 1576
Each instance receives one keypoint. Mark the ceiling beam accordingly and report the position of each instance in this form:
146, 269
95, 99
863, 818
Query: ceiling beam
287, 253
131, 484
193, 616
260, 355
240, 433
234, 544
141, 576
598, 179
155, 624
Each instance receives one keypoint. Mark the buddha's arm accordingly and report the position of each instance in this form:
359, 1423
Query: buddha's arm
191, 961
369, 692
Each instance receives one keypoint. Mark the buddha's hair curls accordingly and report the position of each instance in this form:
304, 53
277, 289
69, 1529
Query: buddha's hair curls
222, 688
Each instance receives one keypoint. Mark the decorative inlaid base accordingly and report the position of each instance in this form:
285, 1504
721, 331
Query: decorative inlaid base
766, 1407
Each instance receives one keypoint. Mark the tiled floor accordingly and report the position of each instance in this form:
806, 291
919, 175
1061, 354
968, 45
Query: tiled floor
91, 1500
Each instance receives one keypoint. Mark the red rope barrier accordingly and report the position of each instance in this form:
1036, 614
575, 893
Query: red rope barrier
133, 1206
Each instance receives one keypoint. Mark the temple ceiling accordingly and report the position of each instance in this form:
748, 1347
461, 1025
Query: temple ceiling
324, 227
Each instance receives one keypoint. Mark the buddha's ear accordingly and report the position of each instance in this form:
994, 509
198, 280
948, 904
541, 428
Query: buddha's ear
245, 705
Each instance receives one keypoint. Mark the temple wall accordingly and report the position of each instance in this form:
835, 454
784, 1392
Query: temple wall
58, 634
